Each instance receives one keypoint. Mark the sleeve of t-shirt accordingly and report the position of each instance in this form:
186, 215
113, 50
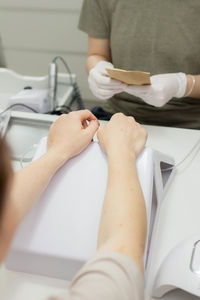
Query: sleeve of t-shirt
112, 276
95, 19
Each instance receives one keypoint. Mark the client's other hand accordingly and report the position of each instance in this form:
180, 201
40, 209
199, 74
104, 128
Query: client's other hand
122, 136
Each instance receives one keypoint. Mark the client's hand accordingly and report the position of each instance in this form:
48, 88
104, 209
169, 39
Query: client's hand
72, 133
122, 136
68, 136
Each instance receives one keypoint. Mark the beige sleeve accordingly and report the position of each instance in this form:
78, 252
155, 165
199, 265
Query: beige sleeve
110, 276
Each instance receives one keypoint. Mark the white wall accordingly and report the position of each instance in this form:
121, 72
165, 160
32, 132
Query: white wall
34, 31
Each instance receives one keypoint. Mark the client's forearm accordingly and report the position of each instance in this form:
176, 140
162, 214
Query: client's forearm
27, 186
31, 181
123, 222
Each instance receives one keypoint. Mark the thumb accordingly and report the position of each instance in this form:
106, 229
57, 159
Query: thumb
92, 128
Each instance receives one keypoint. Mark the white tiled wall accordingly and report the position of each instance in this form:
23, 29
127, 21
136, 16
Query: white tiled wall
34, 31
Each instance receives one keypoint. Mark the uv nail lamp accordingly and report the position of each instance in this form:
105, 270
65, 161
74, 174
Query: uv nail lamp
60, 233
180, 269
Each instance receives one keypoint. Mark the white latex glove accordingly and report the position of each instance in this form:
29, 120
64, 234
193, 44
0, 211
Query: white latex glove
101, 85
162, 89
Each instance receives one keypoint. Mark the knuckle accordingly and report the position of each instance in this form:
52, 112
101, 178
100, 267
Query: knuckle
71, 114
119, 115
131, 118
62, 117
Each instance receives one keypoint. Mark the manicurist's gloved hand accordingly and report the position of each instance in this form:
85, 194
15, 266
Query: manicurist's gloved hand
101, 85
162, 89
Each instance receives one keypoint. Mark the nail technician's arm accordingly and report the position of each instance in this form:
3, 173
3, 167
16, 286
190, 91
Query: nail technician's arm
193, 85
123, 222
98, 50
68, 136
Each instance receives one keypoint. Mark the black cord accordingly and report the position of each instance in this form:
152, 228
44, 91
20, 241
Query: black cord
65, 106
59, 110
76, 96
18, 104
66, 66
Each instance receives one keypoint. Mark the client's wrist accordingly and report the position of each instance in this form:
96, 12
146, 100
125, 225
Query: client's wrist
56, 157
122, 154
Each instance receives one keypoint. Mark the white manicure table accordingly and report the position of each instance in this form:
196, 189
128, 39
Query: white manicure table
183, 198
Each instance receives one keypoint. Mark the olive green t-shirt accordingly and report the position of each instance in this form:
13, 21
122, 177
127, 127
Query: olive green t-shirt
156, 36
